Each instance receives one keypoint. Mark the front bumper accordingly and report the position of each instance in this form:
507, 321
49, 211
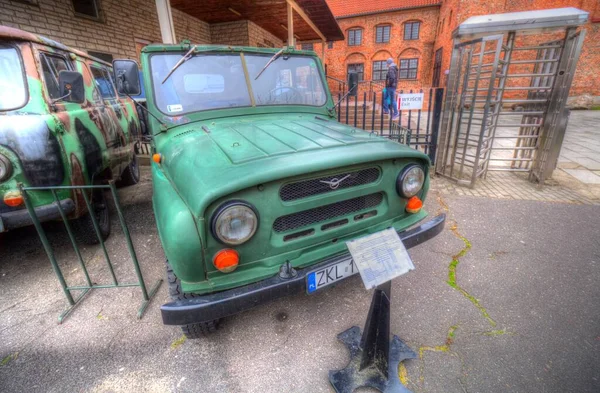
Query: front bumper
21, 218
222, 304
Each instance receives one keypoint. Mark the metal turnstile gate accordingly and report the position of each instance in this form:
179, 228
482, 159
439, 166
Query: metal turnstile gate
506, 102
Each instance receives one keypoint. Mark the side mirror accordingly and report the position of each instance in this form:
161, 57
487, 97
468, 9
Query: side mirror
71, 86
127, 77
353, 83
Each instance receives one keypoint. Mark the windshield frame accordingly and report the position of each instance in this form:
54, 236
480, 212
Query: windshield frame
17, 49
242, 54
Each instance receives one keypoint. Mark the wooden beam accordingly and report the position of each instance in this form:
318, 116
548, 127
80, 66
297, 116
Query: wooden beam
305, 17
290, 24
165, 21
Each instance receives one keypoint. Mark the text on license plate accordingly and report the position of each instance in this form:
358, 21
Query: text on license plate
330, 274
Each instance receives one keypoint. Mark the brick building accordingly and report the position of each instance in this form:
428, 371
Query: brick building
120, 28
417, 35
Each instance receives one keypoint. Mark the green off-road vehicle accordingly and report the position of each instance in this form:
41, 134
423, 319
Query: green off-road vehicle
61, 124
257, 187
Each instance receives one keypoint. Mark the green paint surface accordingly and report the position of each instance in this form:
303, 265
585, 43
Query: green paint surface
211, 157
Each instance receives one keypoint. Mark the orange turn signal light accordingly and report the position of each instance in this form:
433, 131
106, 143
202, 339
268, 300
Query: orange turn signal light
157, 157
414, 205
226, 260
13, 198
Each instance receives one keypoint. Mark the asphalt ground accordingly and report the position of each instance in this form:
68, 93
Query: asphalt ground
506, 299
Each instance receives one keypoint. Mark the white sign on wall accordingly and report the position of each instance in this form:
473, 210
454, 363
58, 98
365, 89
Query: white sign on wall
410, 101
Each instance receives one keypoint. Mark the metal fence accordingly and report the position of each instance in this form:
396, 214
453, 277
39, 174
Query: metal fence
89, 283
415, 128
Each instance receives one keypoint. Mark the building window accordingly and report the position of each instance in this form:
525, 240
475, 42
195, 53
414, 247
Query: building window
354, 37
330, 45
359, 68
87, 8
408, 68
411, 30
382, 33
379, 70
51, 67
107, 57
307, 47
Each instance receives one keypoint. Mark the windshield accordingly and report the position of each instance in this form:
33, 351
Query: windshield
215, 81
12, 82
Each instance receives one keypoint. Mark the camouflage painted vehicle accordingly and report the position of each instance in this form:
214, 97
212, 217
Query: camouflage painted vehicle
256, 186
61, 123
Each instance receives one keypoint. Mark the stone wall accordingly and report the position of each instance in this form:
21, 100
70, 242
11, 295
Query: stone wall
257, 36
229, 33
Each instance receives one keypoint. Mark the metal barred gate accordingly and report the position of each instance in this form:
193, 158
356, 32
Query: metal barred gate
506, 102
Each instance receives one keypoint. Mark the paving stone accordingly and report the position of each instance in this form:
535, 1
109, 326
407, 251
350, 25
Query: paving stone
584, 176
589, 163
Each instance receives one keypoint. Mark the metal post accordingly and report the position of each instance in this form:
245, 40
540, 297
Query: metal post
136, 265
364, 107
374, 359
46, 244
99, 235
373, 111
72, 238
435, 124
381, 113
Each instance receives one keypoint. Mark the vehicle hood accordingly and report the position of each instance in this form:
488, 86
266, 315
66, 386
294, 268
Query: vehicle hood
207, 161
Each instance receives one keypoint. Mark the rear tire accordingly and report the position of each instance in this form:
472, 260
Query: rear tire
131, 174
192, 330
84, 226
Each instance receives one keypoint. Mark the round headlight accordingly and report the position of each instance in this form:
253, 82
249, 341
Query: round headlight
5, 168
234, 223
410, 181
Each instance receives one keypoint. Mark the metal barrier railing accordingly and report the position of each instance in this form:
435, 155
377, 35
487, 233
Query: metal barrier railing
147, 296
366, 111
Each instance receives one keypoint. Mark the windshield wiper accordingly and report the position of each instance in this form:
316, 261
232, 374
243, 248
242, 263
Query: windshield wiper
275, 56
185, 58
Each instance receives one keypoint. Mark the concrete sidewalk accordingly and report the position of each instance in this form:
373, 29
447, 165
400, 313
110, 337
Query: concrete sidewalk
504, 300
580, 153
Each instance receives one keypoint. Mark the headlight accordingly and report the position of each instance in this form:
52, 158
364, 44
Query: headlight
234, 223
5, 168
410, 181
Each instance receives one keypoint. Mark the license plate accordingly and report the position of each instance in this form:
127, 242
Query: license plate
330, 274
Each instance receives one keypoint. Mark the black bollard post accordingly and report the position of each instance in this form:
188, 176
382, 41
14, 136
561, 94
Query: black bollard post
374, 360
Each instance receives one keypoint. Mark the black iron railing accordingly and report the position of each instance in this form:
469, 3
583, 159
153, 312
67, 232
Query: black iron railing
417, 128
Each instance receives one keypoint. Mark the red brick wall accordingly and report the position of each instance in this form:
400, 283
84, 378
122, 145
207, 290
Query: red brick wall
587, 76
338, 58
436, 30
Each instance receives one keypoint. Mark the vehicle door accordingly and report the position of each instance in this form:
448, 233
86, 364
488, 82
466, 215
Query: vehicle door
112, 119
60, 114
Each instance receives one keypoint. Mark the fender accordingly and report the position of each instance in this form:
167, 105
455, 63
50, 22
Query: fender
177, 230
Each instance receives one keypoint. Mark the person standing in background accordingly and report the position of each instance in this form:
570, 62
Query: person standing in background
391, 82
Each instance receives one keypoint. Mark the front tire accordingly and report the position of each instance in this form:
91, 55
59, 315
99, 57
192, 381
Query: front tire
192, 330
131, 174
84, 226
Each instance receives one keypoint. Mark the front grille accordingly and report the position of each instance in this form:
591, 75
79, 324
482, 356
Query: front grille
327, 212
306, 188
